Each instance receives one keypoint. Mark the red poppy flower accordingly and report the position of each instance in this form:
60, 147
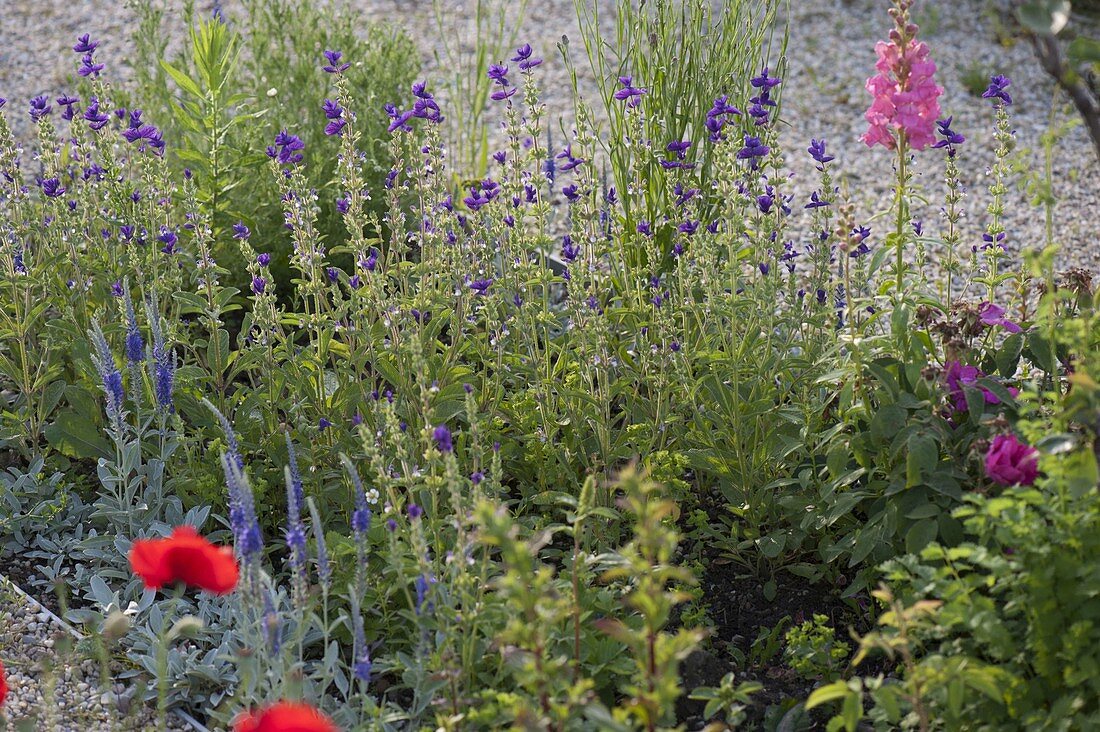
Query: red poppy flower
285, 716
3, 685
185, 557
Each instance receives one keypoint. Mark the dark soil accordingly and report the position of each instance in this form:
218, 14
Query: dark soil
739, 610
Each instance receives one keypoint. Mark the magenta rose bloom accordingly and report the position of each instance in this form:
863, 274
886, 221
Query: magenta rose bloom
959, 375
1011, 462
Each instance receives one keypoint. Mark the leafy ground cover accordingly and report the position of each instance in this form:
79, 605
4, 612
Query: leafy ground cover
610, 432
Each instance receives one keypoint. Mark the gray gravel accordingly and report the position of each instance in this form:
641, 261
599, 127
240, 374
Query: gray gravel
60, 692
831, 54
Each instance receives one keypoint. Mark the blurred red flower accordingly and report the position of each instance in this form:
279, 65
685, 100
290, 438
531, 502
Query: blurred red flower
285, 716
3, 685
185, 557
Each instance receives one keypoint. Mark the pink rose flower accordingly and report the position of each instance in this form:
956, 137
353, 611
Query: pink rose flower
991, 314
1011, 462
958, 376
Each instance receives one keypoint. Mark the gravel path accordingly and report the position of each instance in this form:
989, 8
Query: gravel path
59, 691
831, 54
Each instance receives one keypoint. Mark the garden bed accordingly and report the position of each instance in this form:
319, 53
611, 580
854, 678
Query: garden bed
668, 377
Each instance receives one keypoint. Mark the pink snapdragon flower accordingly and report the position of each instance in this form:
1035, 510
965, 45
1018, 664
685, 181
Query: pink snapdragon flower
906, 95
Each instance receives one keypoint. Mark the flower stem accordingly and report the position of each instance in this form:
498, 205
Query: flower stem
903, 207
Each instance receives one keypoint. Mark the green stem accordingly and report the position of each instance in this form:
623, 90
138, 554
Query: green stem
903, 208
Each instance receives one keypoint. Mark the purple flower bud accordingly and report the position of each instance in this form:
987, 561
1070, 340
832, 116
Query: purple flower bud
442, 437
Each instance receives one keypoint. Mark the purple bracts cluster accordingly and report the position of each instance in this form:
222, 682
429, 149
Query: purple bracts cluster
335, 114
425, 107
719, 115
40, 107
335, 64
817, 152
629, 93
997, 91
52, 188
442, 437
950, 137
145, 134
499, 76
287, 148
96, 119
525, 58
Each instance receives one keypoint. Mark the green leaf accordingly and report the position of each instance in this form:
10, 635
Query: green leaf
1044, 16
183, 80
923, 511
1082, 50
1040, 352
920, 535
830, 692
921, 460
888, 421
837, 459
975, 404
1008, 357
1082, 475
76, 436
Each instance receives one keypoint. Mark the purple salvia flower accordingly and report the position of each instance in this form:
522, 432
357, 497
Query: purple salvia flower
89, 67
950, 137
443, 441
286, 148
996, 91
67, 102
52, 188
40, 107
481, 287
524, 58
96, 119
85, 44
817, 152
334, 65
569, 250
631, 94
